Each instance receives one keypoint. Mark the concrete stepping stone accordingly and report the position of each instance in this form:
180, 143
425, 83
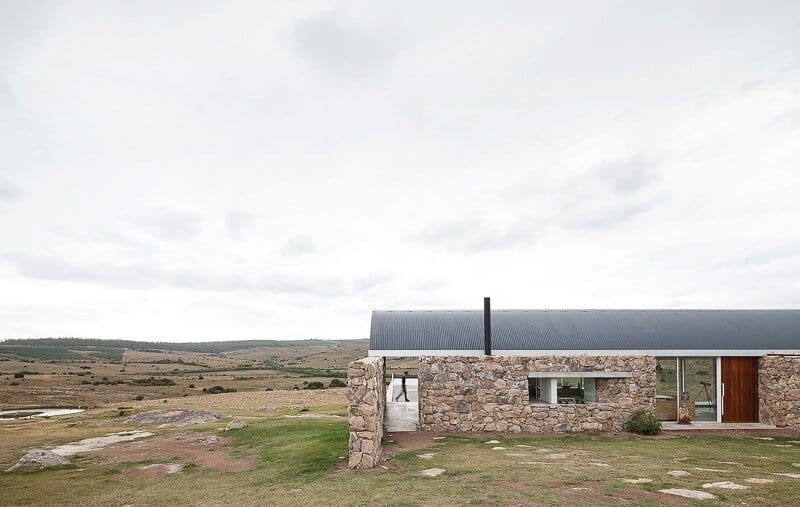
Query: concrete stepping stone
796, 465
498, 448
439, 438
557, 455
427, 455
789, 475
601, 465
432, 472
523, 445
724, 485
763, 438
758, 480
492, 442
689, 493
638, 480
783, 445
678, 473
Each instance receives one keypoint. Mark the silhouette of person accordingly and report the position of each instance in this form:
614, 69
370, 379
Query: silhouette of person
403, 392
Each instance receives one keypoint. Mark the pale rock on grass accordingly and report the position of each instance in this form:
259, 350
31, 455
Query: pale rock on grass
678, 473
789, 475
432, 472
688, 493
758, 480
724, 485
638, 480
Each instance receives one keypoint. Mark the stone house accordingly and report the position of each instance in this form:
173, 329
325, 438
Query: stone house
585, 370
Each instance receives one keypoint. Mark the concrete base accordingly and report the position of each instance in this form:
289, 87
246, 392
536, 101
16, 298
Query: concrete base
402, 416
707, 425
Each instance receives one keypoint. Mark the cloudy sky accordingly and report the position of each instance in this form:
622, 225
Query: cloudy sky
218, 170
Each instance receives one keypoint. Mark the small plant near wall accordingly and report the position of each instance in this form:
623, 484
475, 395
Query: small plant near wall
642, 422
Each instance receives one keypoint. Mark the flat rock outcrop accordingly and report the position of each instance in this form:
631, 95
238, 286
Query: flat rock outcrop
39, 458
170, 417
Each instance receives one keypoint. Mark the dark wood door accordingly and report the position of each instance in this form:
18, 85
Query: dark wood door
740, 391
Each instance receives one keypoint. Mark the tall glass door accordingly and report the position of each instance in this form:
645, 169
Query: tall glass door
697, 382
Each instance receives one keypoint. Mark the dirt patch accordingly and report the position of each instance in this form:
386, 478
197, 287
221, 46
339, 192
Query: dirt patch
592, 493
157, 470
410, 440
205, 449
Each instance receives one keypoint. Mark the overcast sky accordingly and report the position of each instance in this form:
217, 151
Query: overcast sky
219, 170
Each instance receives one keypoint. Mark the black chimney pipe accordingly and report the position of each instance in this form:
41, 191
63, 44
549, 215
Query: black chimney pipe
487, 327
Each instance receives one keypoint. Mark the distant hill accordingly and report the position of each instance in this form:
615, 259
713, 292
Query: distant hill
80, 348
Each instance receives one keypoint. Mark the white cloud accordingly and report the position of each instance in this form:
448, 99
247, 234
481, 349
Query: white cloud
252, 170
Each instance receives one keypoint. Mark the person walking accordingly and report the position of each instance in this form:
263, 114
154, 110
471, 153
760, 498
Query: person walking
403, 392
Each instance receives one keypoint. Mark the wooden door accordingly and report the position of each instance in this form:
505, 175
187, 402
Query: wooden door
740, 389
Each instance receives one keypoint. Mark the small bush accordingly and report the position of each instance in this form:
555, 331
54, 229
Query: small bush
315, 385
139, 398
643, 422
191, 386
218, 390
337, 383
19, 374
14, 384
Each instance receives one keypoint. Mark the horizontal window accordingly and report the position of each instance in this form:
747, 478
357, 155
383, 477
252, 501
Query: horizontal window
561, 390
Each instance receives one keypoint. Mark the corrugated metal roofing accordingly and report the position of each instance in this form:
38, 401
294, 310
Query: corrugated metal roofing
588, 330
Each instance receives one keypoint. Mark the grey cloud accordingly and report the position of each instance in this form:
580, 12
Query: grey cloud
473, 236
237, 222
788, 119
372, 281
148, 275
298, 245
171, 225
8, 190
607, 217
627, 176
335, 45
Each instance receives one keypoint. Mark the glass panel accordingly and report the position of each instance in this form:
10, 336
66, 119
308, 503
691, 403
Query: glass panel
667, 388
698, 385
570, 390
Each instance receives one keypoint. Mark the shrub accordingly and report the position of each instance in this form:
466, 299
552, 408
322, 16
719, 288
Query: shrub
14, 384
337, 383
139, 398
19, 374
191, 386
643, 422
218, 389
315, 385
152, 381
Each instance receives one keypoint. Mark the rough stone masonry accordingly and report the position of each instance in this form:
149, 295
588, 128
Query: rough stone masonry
367, 402
490, 393
779, 391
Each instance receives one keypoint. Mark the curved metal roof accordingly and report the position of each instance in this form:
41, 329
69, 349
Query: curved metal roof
587, 330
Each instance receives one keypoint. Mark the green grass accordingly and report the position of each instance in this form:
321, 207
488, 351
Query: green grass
297, 461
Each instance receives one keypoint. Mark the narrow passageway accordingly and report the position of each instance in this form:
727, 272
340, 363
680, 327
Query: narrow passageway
402, 415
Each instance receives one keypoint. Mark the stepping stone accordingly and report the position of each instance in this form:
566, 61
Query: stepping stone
689, 493
678, 473
711, 470
432, 472
796, 465
523, 445
724, 485
758, 480
639, 480
493, 442
515, 455
439, 438
544, 449
427, 455
557, 456
791, 476
763, 438
783, 445
602, 465
498, 448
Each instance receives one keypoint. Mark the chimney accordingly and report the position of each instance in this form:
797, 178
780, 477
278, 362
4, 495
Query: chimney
487, 327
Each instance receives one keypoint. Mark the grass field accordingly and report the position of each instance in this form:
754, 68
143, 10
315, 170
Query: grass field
290, 455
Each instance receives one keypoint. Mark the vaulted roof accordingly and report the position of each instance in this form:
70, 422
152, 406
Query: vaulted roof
539, 332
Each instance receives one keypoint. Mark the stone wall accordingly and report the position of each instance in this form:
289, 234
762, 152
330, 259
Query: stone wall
779, 391
367, 402
490, 393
